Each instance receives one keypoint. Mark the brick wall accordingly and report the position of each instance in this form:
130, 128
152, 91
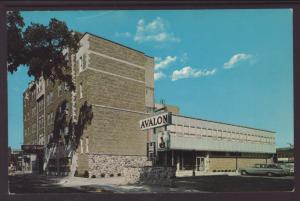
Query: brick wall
118, 51
222, 164
121, 87
116, 132
230, 163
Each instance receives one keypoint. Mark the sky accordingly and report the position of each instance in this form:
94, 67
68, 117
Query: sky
232, 66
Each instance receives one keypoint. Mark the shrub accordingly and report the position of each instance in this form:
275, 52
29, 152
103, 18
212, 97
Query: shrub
86, 174
111, 175
119, 174
102, 175
94, 176
76, 173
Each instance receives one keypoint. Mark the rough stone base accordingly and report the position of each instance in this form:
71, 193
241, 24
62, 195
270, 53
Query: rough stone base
114, 166
150, 175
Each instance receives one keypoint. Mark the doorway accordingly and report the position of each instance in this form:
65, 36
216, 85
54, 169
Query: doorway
200, 164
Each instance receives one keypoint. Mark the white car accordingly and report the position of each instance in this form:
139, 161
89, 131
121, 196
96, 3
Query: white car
288, 168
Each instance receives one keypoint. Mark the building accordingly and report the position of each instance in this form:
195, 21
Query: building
117, 84
95, 130
15, 160
196, 146
285, 155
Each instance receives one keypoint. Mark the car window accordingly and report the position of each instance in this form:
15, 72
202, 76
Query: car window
274, 166
263, 166
257, 166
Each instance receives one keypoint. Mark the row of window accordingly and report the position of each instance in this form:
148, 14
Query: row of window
222, 134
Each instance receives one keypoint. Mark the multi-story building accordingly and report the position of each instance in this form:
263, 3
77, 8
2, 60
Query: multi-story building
95, 131
285, 154
117, 83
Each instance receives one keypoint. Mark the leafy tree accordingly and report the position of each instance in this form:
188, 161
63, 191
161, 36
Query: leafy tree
41, 47
15, 49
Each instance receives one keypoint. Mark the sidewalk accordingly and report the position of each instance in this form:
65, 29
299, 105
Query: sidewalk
188, 173
116, 185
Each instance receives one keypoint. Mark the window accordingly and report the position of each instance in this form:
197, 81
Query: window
52, 118
80, 90
51, 96
41, 122
66, 131
86, 145
66, 86
41, 105
81, 146
33, 111
80, 64
50, 136
59, 90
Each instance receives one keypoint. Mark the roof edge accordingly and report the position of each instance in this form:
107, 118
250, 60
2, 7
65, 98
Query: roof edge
224, 123
85, 33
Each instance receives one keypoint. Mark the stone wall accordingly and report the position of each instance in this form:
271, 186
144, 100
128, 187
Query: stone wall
150, 175
114, 165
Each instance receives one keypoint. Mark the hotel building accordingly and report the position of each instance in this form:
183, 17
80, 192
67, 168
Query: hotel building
117, 83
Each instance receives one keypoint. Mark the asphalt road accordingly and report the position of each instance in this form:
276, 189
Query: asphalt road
223, 183
37, 184
217, 183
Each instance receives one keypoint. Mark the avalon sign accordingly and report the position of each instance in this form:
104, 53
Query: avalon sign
155, 121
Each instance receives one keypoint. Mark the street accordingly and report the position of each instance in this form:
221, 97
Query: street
217, 183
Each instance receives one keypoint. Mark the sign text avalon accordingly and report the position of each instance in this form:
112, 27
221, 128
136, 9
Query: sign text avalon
155, 121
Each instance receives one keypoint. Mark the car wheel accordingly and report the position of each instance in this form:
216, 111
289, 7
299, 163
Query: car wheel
269, 174
243, 172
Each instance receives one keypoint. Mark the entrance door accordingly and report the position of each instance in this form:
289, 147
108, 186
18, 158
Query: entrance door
200, 164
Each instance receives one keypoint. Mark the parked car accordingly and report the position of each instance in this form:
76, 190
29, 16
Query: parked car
287, 167
263, 169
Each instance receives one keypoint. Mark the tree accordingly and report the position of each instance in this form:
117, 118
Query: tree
42, 48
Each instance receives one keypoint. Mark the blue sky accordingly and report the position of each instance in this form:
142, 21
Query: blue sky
233, 66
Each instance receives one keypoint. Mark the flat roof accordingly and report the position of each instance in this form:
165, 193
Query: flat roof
223, 123
114, 42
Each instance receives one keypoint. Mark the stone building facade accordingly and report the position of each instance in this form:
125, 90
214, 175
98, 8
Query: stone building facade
118, 83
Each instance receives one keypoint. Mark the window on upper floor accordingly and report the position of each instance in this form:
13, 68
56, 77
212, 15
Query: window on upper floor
80, 90
80, 64
81, 146
66, 87
59, 90
86, 145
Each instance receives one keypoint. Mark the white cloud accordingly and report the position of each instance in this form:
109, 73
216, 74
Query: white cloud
189, 72
235, 59
124, 34
159, 75
153, 31
163, 63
